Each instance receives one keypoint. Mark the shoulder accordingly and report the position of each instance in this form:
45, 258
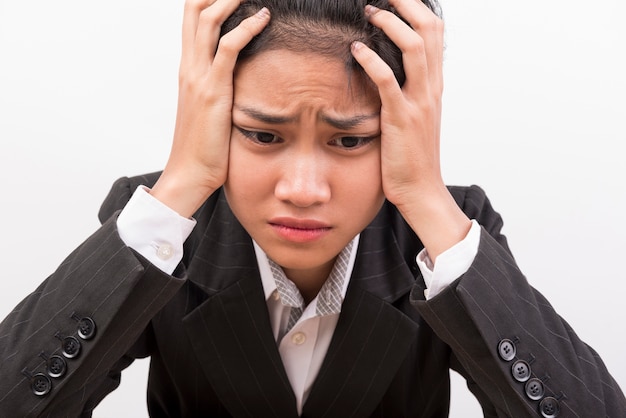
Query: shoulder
472, 199
124, 187
476, 205
121, 191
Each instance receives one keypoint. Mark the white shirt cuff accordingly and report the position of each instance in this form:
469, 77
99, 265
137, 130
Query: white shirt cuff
154, 230
451, 264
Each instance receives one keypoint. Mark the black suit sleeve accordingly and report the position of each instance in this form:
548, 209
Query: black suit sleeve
63, 347
519, 356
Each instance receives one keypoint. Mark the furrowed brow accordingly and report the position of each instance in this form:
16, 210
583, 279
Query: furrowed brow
265, 117
348, 123
342, 123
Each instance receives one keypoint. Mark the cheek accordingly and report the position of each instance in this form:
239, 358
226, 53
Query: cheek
368, 174
362, 185
239, 176
249, 177
238, 167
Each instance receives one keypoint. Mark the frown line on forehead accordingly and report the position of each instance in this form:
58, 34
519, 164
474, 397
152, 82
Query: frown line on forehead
339, 122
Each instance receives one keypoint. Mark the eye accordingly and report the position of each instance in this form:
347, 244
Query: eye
262, 138
351, 142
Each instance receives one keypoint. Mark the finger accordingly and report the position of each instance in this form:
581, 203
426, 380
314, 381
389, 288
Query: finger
209, 26
411, 45
391, 95
234, 41
191, 13
429, 26
414, 11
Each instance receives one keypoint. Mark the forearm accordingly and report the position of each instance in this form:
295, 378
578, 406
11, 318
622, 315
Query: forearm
436, 219
103, 280
493, 302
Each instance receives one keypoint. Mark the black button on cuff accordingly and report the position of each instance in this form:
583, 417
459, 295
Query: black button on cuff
71, 347
40, 384
56, 366
521, 371
86, 328
507, 350
549, 407
534, 389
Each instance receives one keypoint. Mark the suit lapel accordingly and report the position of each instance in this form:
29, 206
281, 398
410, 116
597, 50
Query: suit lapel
372, 337
241, 360
230, 331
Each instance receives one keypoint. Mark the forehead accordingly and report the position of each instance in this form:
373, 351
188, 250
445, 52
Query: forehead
283, 79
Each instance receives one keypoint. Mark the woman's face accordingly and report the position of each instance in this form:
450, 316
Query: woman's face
304, 171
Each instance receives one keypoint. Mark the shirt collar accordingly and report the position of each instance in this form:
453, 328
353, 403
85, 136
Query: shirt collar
333, 290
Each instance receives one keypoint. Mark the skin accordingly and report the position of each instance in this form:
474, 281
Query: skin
410, 118
305, 154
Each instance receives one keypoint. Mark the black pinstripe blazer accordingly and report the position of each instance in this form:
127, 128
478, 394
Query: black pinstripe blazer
212, 351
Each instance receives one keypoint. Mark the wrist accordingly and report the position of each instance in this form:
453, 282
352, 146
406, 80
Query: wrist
182, 197
436, 219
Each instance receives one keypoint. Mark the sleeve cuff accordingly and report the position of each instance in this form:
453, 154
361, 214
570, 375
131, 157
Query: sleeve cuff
451, 264
154, 230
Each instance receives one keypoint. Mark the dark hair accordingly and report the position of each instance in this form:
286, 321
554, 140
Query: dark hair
326, 27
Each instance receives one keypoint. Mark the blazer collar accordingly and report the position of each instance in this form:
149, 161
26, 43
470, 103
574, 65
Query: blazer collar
383, 264
232, 337
230, 331
372, 336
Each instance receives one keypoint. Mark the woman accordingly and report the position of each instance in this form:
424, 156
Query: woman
330, 271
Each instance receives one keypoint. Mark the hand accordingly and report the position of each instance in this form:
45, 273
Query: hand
198, 161
410, 124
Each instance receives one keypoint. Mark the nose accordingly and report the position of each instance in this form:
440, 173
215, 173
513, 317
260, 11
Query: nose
303, 181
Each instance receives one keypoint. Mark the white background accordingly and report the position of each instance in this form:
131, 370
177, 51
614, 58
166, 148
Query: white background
534, 113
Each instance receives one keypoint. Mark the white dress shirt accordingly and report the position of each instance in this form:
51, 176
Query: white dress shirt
304, 346
157, 232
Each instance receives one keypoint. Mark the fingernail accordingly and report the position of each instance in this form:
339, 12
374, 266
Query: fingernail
371, 10
356, 45
263, 13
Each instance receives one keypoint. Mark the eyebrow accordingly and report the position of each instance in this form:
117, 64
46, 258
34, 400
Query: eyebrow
339, 123
265, 117
348, 123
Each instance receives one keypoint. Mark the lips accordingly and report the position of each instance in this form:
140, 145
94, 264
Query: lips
299, 230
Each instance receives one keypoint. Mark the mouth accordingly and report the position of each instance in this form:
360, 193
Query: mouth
299, 230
